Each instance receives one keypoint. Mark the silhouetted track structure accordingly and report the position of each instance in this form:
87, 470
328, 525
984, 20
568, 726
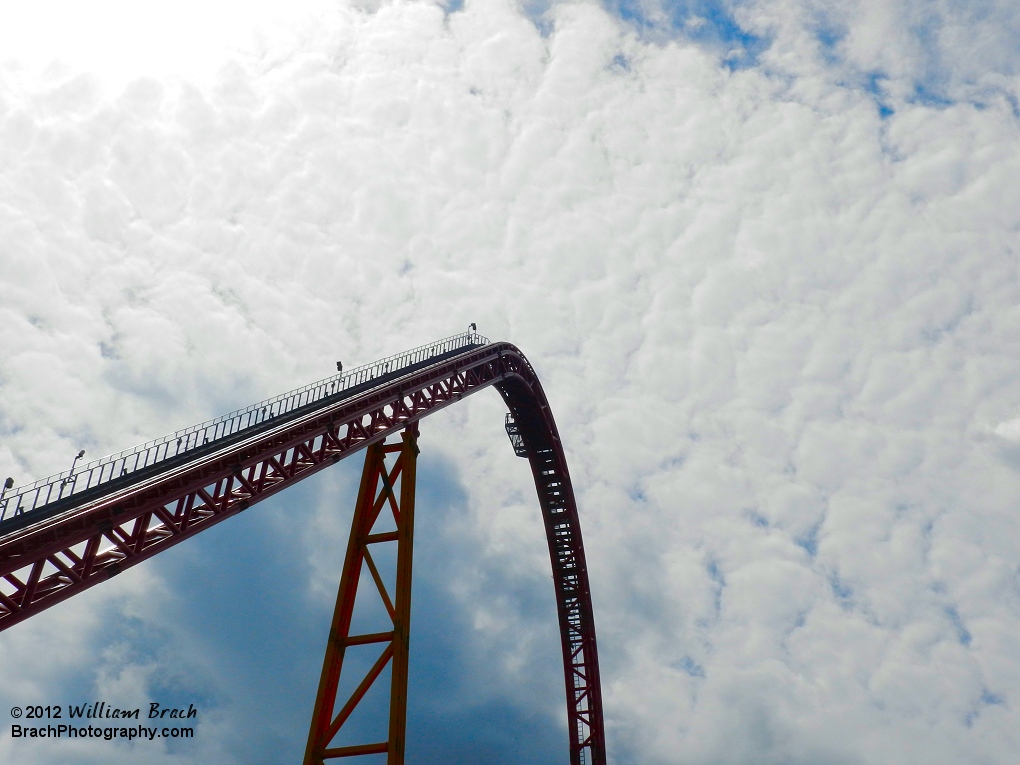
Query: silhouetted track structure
64, 534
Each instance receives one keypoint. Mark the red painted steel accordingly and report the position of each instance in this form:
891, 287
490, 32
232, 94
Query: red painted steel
59, 557
378, 493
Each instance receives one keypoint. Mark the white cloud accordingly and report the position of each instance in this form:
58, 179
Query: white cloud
778, 329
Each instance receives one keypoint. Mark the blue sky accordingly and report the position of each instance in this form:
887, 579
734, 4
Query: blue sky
762, 254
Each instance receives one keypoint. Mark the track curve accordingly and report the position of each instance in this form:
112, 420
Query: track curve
59, 556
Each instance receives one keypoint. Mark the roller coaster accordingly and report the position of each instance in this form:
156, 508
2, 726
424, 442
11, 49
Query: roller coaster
66, 533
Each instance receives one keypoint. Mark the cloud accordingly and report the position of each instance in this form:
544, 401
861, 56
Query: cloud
773, 306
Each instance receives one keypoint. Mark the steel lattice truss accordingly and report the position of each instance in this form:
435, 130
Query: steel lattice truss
377, 494
59, 557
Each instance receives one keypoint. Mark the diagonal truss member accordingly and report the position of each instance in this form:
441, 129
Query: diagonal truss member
378, 503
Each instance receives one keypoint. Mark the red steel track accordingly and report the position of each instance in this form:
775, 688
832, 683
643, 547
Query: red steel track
60, 556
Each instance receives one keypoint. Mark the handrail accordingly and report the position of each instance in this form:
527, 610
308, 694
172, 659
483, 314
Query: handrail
26, 499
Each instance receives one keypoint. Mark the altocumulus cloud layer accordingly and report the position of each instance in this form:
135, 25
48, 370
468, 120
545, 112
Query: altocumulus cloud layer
764, 257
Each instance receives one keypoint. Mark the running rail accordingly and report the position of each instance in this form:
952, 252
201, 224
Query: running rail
85, 536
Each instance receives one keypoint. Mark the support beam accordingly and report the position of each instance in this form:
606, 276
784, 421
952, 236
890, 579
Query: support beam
378, 491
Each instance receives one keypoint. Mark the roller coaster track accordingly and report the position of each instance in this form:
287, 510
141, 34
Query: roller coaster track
67, 533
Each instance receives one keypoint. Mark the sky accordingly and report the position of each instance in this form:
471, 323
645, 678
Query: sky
763, 255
